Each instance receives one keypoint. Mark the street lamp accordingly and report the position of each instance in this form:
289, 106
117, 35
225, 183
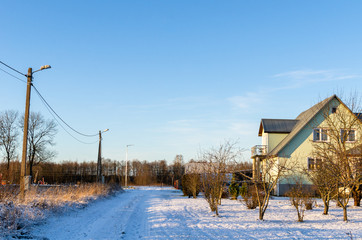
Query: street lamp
26, 124
99, 163
125, 178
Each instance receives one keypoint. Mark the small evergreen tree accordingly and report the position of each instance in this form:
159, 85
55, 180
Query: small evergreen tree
244, 189
234, 189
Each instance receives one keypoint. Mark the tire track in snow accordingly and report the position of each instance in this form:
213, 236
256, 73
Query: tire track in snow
191, 214
100, 220
136, 226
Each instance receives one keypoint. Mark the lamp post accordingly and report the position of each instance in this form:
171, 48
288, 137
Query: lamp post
26, 126
99, 163
125, 177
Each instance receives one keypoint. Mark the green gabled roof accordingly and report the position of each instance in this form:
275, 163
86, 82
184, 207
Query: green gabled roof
303, 119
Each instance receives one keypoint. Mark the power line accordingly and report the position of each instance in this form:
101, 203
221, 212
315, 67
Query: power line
66, 129
56, 119
12, 75
13, 69
52, 110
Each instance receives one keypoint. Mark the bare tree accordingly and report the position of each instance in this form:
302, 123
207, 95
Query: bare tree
340, 148
217, 162
8, 136
40, 136
322, 178
273, 170
300, 198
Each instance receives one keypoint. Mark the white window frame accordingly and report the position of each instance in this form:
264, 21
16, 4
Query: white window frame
348, 135
321, 134
314, 162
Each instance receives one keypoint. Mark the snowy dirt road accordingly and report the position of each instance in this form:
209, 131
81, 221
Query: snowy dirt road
121, 217
163, 213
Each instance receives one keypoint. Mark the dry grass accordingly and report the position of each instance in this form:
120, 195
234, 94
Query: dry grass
15, 215
65, 195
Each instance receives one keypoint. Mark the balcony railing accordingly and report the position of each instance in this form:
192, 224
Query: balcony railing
259, 150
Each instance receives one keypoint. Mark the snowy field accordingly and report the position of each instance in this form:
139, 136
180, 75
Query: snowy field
163, 213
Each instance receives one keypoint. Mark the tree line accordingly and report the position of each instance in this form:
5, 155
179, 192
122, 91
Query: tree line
41, 135
71, 172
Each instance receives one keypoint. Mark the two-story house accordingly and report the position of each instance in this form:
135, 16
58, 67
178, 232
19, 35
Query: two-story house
294, 139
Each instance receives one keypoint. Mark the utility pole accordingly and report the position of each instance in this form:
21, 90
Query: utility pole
26, 126
126, 177
99, 163
25, 137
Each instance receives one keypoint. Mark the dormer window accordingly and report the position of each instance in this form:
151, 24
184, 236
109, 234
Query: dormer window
320, 135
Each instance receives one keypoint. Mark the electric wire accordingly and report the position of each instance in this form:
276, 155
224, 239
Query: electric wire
66, 129
86, 135
12, 75
51, 110
61, 125
13, 69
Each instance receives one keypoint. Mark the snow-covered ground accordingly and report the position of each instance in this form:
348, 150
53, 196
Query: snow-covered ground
163, 213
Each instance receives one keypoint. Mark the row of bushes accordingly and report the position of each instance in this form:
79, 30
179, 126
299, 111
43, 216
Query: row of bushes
301, 198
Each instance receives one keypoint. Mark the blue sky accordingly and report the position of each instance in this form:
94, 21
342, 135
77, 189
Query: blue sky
174, 77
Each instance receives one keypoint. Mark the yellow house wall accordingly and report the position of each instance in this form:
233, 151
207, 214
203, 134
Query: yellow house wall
274, 139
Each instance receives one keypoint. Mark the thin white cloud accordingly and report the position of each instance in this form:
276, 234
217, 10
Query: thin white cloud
298, 78
246, 101
285, 81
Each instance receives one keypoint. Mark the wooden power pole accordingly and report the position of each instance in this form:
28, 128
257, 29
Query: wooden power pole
25, 137
99, 162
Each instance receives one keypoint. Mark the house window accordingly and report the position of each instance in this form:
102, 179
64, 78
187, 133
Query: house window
320, 135
348, 135
314, 163
334, 109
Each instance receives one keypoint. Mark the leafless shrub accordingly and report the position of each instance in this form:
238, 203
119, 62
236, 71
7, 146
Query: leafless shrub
301, 199
273, 170
217, 162
250, 199
309, 203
